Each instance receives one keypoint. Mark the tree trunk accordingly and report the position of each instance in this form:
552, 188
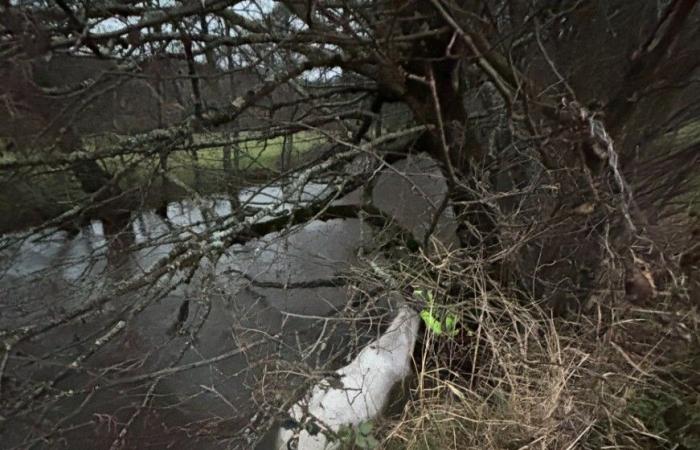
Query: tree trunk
436, 99
93, 178
232, 172
378, 126
226, 155
286, 153
197, 170
162, 208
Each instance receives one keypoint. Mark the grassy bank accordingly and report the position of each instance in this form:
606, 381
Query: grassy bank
32, 196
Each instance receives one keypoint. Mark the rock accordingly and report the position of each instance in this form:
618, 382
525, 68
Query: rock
356, 393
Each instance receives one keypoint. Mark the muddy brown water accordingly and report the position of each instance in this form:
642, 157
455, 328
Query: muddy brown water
213, 405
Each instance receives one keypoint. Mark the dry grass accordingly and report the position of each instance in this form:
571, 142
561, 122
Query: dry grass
517, 377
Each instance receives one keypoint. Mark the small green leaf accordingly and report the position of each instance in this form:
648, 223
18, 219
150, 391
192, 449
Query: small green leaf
344, 433
372, 443
451, 324
365, 428
431, 322
436, 325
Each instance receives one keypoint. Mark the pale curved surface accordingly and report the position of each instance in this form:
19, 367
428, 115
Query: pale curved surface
363, 386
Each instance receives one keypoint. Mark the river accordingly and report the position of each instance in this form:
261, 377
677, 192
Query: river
200, 354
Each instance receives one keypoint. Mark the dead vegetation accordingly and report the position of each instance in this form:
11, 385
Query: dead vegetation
619, 370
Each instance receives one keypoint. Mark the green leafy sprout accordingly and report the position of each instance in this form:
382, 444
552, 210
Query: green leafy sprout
361, 436
447, 324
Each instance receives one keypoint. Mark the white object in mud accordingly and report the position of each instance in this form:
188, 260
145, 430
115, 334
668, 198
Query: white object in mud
359, 391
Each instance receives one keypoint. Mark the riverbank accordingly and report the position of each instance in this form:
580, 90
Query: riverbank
514, 375
30, 197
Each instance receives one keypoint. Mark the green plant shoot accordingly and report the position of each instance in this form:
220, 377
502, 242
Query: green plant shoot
447, 326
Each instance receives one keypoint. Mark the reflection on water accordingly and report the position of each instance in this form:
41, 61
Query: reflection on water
47, 278
179, 320
80, 254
